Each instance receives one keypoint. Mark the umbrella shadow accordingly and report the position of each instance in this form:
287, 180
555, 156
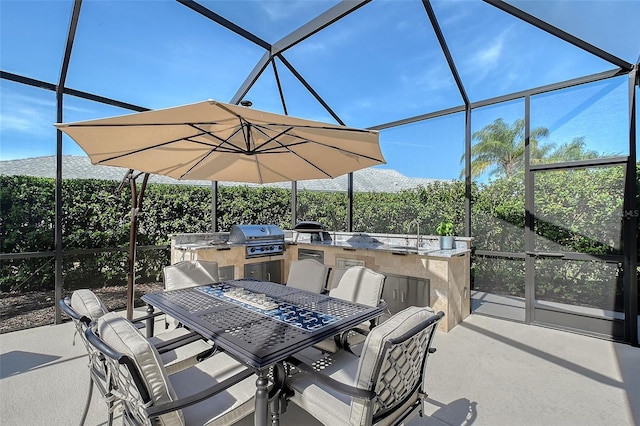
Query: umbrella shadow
461, 412
17, 362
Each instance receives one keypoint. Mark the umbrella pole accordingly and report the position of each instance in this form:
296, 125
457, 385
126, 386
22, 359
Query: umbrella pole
136, 208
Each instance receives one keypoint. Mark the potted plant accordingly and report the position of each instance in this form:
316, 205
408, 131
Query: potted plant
445, 231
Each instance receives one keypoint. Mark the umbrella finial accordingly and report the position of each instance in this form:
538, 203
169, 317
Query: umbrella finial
246, 103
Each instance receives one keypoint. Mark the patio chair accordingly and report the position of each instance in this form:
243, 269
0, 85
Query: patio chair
357, 284
217, 391
308, 274
336, 275
179, 349
188, 273
384, 385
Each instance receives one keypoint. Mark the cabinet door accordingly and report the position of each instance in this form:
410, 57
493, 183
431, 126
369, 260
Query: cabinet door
273, 271
417, 292
391, 292
226, 273
402, 291
254, 270
266, 271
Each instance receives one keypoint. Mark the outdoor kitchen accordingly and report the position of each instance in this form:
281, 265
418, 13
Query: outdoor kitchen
418, 272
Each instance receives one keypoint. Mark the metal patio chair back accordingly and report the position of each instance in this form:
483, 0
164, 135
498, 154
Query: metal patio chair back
188, 273
179, 349
383, 386
308, 274
216, 391
357, 284
83, 307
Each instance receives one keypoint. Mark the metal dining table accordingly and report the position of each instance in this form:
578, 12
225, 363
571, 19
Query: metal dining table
261, 323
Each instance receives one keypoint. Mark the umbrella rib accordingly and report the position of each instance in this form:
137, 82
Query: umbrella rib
203, 132
243, 123
223, 141
265, 151
229, 150
146, 148
304, 141
218, 148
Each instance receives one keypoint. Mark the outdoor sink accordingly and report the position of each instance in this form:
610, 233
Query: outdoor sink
410, 249
405, 249
216, 242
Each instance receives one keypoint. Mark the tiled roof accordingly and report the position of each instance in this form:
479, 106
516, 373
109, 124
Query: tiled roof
79, 167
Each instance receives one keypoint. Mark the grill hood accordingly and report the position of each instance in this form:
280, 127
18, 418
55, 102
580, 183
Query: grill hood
255, 234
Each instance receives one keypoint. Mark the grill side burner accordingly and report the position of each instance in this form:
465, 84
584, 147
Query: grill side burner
260, 240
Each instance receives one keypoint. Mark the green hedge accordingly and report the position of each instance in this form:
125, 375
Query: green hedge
578, 210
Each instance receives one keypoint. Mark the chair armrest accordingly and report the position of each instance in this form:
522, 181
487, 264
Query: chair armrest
334, 384
342, 339
65, 306
160, 409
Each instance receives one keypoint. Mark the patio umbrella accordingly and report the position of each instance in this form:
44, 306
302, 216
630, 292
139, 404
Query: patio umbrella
212, 140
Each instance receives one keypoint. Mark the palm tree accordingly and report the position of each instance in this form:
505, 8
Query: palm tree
500, 148
574, 150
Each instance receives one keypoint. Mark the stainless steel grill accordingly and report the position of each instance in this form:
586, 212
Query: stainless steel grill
260, 240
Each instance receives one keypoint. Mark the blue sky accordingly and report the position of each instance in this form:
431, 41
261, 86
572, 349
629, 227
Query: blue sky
379, 64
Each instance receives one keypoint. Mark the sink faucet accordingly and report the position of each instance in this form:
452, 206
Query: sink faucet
417, 224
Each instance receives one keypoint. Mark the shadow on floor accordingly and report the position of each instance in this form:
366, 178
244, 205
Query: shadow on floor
594, 375
629, 366
17, 362
460, 412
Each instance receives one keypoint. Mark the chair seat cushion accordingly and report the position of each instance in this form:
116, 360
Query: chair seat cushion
226, 407
182, 357
328, 406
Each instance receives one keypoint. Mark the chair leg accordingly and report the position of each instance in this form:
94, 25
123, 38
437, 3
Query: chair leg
86, 405
110, 419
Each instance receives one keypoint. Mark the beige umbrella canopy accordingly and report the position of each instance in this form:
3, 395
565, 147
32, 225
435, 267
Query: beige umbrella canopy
216, 141
212, 140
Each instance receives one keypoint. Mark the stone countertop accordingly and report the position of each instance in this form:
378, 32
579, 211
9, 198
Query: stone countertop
424, 250
396, 244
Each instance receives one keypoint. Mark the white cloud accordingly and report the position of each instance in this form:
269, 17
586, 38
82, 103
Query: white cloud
433, 79
26, 114
489, 55
279, 10
453, 13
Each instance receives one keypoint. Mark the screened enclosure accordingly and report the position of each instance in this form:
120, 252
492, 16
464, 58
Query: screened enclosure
515, 120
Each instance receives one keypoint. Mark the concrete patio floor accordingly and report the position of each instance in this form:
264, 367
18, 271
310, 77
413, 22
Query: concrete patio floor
486, 371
